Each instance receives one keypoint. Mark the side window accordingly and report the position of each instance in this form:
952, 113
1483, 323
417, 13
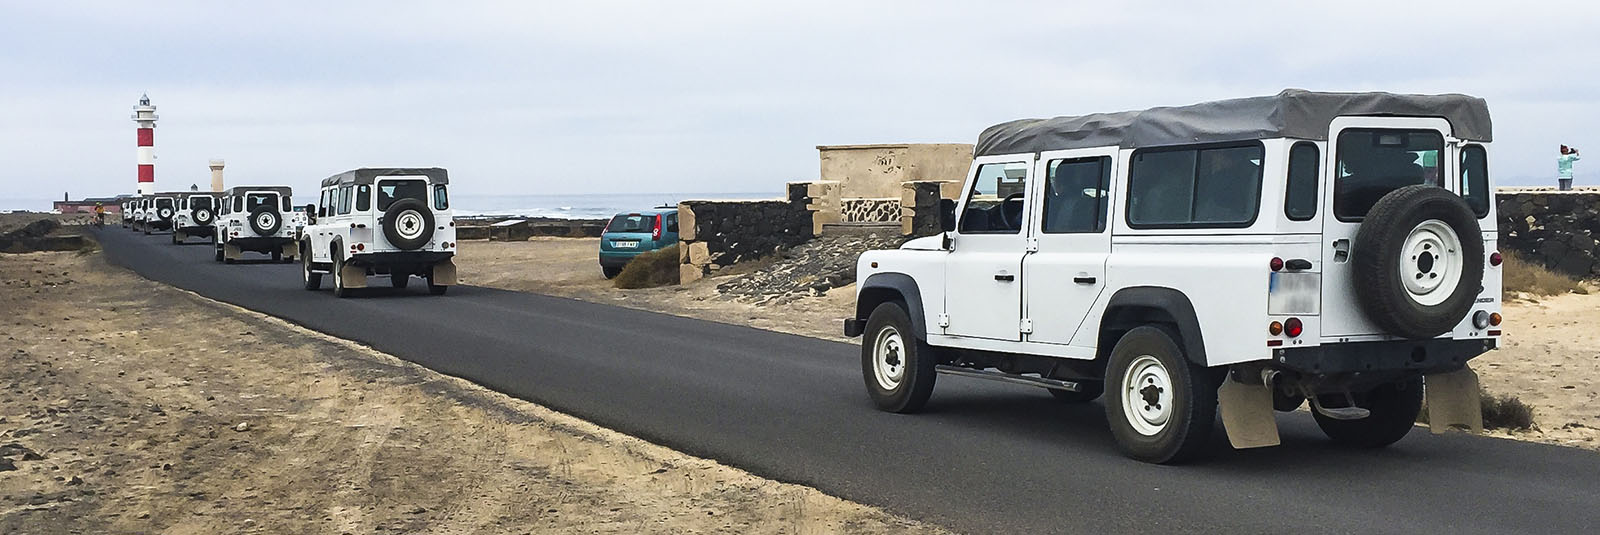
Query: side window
1075, 195
1300, 193
238, 204
672, 222
344, 200
1475, 179
287, 201
1212, 187
322, 204
995, 204
363, 198
441, 198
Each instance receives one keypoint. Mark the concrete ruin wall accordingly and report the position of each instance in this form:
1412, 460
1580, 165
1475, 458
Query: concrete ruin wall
877, 171
1557, 229
716, 234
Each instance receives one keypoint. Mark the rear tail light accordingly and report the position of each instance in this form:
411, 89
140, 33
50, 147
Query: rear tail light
655, 232
361, 247
1495, 259
1293, 327
1276, 264
1275, 328
1494, 319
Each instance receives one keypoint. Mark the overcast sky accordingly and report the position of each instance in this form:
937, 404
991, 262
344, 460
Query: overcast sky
594, 96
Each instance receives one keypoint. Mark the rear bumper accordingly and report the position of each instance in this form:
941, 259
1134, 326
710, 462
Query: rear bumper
410, 258
259, 244
1422, 356
617, 258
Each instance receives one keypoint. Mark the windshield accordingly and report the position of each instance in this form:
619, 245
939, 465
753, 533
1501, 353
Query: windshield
390, 191
253, 200
1373, 163
631, 223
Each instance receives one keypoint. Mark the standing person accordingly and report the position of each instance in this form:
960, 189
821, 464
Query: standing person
99, 215
1564, 167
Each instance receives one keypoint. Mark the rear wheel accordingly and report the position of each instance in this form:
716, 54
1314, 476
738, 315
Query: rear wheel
1163, 406
219, 253
611, 272
1394, 408
175, 239
898, 367
399, 280
338, 278
277, 256
312, 279
436, 289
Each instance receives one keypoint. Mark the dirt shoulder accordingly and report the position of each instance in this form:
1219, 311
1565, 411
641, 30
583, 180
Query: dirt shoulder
1550, 355
132, 407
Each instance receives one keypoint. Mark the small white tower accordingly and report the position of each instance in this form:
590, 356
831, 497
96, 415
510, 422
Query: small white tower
145, 115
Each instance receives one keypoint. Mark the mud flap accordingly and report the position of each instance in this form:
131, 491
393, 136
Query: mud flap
444, 273
231, 252
1454, 401
291, 250
353, 276
1247, 414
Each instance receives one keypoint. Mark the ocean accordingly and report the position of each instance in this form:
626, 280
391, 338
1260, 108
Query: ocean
583, 206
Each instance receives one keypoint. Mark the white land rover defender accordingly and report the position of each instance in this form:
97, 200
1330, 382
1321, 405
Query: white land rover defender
1249, 254
259, 219
384, 221
135, 214
196, 216
158, 212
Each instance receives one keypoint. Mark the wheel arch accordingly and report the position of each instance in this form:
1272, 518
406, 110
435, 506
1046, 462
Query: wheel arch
898, 287
1141, 305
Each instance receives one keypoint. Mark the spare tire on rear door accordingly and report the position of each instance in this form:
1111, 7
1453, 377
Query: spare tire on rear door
202, 216
408, 224
1418, 261
265, 221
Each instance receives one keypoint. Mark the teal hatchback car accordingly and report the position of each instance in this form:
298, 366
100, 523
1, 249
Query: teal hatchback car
631, 233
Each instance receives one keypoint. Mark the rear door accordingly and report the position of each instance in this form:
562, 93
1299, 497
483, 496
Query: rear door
1065, 271
1370, 157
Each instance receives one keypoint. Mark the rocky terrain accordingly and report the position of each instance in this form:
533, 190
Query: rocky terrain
130, 407
810, 269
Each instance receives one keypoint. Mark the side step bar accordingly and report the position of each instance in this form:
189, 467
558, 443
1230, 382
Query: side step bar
1053, 384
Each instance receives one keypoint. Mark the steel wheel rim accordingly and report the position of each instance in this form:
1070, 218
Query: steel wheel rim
409, 224
888, 358
1147, 395
1431, 262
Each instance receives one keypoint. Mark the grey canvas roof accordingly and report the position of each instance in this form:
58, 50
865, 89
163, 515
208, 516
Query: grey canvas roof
1292, 113
241, 190
366, 175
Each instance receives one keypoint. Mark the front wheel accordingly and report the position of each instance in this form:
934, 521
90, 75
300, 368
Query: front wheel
897, 365
1162, 407
1394, 408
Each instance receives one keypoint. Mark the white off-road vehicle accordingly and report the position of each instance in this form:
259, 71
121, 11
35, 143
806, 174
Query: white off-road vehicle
134, 218
1249, 254
158, 212
258, 219
196, 216
391, 222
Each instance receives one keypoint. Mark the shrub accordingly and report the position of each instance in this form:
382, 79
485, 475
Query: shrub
1506, 412
649, 270
1519, 275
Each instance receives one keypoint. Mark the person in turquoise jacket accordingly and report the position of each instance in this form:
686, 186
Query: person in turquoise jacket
1564, 167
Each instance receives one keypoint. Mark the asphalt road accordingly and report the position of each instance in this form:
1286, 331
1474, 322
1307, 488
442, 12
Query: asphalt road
984, 457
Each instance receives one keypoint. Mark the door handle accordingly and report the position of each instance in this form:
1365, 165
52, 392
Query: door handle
1002, 277
1083, 280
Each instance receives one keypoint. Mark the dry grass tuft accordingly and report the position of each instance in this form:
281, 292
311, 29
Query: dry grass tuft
1520, 275
649, 270
1506, 412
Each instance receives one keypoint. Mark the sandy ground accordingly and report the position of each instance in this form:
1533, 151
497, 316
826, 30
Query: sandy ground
570, 267
1550, 355
127, 406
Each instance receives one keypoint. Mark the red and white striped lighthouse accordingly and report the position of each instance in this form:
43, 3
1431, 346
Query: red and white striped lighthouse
145, 115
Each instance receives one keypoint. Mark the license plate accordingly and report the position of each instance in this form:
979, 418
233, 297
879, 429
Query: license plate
625, 244
1294, 293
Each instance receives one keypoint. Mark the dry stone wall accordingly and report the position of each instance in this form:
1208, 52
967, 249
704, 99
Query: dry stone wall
1554, 228
715, 234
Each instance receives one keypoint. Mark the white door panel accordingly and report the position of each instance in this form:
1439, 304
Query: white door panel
983, 274
1071, 230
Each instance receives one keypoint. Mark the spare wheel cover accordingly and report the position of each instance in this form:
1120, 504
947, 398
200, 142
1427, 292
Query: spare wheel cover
1417, 261
265, 222
408, 224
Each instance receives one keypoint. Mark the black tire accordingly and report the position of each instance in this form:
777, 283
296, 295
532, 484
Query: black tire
175, 240
1090, 391
436, 289
1379, 257
313, 281
909, 363
165, 214
408, 224
339, 290
219, 254
277, 256
265, 221
202, 216
610, 272
1190, 393
1394, 407
399, 280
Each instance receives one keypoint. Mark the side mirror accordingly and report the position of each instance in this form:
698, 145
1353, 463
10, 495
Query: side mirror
947, 215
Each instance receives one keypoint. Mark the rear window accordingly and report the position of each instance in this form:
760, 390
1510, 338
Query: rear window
631, 223
200, 202
1475, 179
163, 203
1373, 163
253, 200
390, 191
1215, 187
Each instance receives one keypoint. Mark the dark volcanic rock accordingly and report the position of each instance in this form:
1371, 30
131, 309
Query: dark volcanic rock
809, 269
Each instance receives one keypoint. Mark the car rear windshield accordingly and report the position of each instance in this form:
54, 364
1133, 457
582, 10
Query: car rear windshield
200, 202
632, 223
269, 200
163, 203
1373, 163
390, 191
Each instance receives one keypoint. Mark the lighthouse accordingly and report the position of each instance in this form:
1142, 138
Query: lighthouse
145, 115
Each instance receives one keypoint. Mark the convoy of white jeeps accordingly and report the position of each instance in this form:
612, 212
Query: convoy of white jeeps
1251, 254
1242, 256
